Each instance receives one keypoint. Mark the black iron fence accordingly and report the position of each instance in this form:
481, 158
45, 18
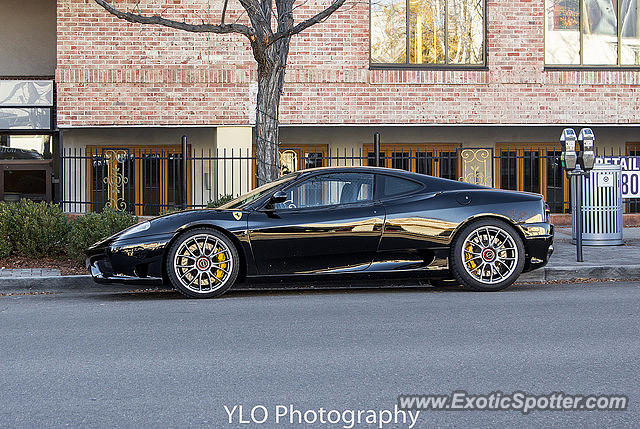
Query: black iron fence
153, 180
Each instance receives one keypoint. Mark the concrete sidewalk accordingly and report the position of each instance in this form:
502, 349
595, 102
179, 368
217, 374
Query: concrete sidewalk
600, 262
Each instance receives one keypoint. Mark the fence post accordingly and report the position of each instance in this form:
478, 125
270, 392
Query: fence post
376, 148
184, 172
60, 189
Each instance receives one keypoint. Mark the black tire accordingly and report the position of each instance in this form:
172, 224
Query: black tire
477, 272
210, 252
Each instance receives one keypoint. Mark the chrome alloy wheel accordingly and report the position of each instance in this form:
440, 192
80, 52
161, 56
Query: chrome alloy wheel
203, 263
489, 254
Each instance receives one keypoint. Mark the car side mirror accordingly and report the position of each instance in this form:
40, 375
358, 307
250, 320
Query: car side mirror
278, 197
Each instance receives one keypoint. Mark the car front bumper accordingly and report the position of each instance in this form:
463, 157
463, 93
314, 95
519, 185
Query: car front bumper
538, 244
136, 260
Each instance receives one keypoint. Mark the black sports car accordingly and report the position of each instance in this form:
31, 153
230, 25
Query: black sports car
338, 220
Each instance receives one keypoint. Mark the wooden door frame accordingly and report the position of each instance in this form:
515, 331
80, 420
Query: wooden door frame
163, 151
323, 148
412, 149
520, 148
629, 146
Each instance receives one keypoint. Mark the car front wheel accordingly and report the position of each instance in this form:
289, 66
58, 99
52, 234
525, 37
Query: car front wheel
488, 255
202, 263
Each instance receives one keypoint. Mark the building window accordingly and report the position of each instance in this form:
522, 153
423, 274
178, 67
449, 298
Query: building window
592, 32
26, 105
313, 159
449, 165
300, 157
533, 168
428, 32
434, 159
371, 159
400, 160
424, 163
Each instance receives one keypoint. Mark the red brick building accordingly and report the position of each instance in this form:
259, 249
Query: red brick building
435, 77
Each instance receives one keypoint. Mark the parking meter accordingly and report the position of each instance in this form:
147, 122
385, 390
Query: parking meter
569, 156
586, 139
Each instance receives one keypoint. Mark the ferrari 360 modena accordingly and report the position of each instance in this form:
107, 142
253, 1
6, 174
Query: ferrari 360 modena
338, 221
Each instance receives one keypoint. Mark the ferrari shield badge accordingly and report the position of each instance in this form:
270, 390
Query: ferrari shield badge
237, 215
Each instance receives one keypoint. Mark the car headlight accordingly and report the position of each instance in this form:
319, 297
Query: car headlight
141, 227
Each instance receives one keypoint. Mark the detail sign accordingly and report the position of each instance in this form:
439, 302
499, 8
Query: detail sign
630, 173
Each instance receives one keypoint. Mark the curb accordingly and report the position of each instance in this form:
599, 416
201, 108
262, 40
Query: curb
58, 284
84, 283
598, 272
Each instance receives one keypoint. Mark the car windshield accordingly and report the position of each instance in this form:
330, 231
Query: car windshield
244, 200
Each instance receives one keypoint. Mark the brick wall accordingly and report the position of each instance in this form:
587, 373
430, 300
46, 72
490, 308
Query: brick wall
113, 72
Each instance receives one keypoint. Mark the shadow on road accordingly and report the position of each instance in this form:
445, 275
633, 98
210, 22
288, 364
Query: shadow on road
251, 290
112, 293
167, 294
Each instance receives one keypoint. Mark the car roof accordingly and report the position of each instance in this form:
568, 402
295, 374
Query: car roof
431, 181
362, 169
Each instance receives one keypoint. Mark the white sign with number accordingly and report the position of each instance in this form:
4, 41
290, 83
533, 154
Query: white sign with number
630, 173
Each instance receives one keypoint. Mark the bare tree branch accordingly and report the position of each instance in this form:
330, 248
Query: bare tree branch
194, 28
224, 11
301, 4
316, 19
270, 51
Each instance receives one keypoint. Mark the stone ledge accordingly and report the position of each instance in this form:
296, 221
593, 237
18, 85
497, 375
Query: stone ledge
28, 272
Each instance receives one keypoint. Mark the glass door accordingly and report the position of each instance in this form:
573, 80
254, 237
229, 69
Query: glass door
112, 179
439, 160
533, 168
144, 180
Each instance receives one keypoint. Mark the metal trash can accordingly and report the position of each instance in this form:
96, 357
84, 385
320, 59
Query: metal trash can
601, 206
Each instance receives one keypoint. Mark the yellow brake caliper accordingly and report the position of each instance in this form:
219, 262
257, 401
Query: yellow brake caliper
223, 264
468, 256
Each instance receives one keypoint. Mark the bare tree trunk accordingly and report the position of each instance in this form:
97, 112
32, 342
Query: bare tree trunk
270, 51
271, 71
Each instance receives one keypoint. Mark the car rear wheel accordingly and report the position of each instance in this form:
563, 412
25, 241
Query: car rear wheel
488, 255
202, 263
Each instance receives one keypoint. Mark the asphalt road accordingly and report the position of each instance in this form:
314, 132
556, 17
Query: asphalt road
157, 360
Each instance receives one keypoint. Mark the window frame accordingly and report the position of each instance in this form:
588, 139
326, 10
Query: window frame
582, 66
426, 66
305, 178
50, 108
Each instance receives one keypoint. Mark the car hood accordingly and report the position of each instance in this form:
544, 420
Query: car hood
231, 220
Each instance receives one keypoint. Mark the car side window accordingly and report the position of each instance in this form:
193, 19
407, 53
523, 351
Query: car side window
392, 186
328, 190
